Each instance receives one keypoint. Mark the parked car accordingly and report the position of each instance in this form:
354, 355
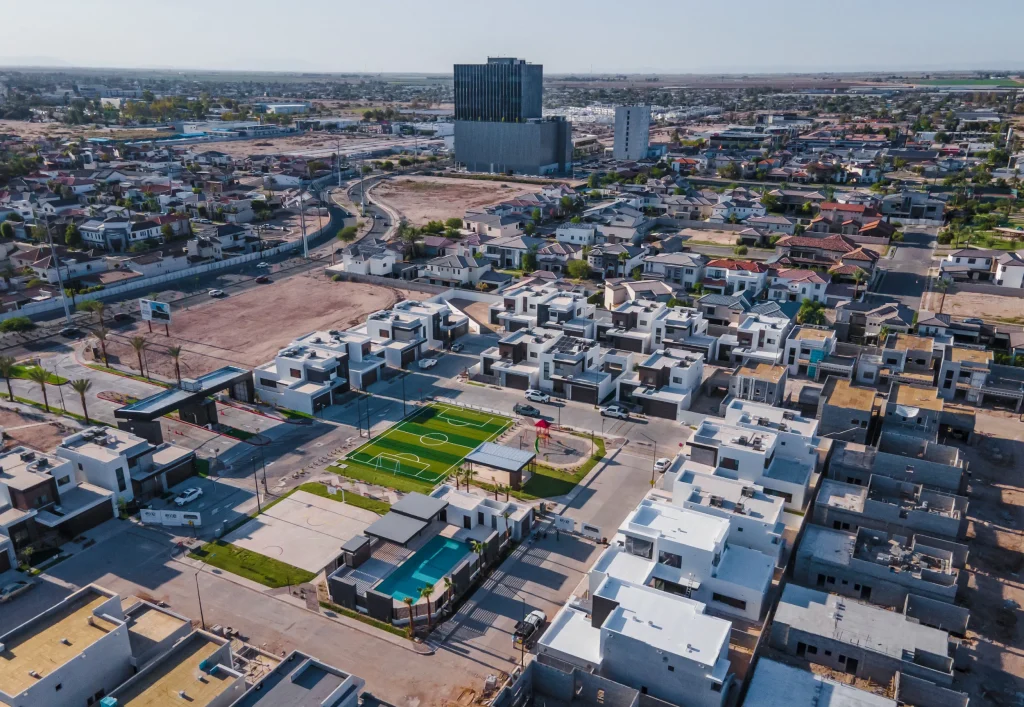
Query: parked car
537, 396
525, 410
187, 496
615, 411
427, 362
122, 317
9, 591
529, 629
216, 293
662, 464
70, 332
264, 264
456, 347
263, 279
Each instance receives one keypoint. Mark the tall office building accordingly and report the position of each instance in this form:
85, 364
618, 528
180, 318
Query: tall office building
498, 122
502, 90
632, 132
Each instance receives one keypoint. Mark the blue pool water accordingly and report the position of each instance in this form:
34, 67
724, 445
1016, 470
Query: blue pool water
427, 566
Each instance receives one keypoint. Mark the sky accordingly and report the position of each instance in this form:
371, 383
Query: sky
566, 36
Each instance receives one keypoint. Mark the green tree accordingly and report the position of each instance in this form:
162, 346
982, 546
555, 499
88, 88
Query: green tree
454, 222
637, 273
535, 215
6, 230
175, 353
7, 364
730, 170
94, 306
167, 232
101, 335
425, 592
39, 375
578, 269
139, 344
82, 386
576, 220
812, 313
408, 601
347, 234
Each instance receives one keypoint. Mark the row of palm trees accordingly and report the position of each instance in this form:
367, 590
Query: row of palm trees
139, 344
40, 375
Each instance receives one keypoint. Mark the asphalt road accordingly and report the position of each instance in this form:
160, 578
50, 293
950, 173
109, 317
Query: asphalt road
906, 271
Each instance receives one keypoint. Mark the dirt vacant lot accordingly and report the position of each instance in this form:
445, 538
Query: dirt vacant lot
422, 199
32, 430
992, 308
247, 329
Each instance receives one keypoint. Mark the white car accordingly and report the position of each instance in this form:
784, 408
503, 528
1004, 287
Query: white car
9, 591
263, 265
427, 362
216, 293
615, 411
662, 464
528, 630
187, 496
537, 396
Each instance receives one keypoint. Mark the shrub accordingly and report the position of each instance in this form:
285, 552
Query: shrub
17, 324
739, 240
740, 250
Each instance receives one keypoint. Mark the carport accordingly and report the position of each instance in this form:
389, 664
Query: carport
396, 528
501, 464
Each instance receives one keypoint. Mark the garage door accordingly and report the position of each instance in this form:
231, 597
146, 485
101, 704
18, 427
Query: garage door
408, 357
583, 394
660, 408
517, 382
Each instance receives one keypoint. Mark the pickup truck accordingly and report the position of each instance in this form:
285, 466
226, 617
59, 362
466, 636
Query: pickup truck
529, 629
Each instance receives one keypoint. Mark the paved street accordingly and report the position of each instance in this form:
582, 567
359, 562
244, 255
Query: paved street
906, 272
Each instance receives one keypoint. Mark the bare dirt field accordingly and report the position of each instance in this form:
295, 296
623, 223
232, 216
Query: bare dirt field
312, 144
32, 430
699, 235
422, 199
974, 304
248, 328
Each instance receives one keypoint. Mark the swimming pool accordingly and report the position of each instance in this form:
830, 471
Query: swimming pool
427, 566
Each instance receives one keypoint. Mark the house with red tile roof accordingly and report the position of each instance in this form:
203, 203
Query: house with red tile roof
727, 276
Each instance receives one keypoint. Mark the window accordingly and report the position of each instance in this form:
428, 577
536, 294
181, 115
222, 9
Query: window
64, 481
671, 669
670, 559
727, 463
547, 371
812, 649
58, 686
121, 483
533, 354
80, 467
267, 383
729, 601
639, 547
295, 373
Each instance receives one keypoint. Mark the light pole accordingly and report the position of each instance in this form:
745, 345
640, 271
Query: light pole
256, 484
654, 461
403, 395
199, 594
56, 264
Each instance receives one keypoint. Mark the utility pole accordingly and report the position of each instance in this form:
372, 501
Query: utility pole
56, 263
302, 223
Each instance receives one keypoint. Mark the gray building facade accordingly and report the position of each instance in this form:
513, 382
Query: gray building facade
632, 132
498, 122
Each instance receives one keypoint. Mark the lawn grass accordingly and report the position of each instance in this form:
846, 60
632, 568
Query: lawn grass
238, 434
293, 414
126, 374
371, 475
23, 372
251, 565
548, 482
351, 498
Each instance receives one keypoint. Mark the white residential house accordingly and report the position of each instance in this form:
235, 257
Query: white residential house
410, 328
371, 256
454, 270
727, 276
972, 263
616, 259
684, 269
508, 252
1010, 270
755, 453
808, 346
529, 305
316, 370
758, 337
664, 384
487, 224
798, 284
772, 223
577, 234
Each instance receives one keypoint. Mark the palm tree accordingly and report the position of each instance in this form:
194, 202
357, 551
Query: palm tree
82, 386
175, 353
942, 284
101, 334
447, 588
7, 364
883, 335
858, 276
40, 376
508, 529
408, 603
425, 592
139, 344
477, 547
467, 476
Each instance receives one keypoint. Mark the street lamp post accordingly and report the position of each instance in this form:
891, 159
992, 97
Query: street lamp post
256, 483
199, 594
654, 461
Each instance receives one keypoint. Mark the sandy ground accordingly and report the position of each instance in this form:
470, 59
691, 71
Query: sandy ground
247, 329
422, 199
973, 304
722, 238
32, 430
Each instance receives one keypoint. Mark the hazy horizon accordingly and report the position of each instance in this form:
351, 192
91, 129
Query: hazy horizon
566, 37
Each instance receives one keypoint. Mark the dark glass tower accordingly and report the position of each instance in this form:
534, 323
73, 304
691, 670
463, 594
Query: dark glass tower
503, 90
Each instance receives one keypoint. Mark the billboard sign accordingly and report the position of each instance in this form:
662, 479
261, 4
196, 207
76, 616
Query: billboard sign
153, 311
